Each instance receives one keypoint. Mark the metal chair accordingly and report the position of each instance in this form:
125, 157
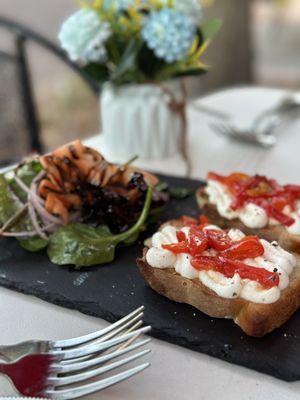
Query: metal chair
24, 114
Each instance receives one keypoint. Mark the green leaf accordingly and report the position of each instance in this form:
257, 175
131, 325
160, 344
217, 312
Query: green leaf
181, 193
190, 72
33, 244
148, 63
8, 206
97, 72
83, 245
211, 28
127, 61
162, 187
27, 172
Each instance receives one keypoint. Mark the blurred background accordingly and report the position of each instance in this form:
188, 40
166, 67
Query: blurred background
259, 44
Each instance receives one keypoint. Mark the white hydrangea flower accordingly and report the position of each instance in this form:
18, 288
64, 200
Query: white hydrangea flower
84, 35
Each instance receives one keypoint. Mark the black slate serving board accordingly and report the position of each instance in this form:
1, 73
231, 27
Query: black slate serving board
112, 291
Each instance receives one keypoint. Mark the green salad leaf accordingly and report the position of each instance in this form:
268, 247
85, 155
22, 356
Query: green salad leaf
33, 244
9, 207
84, 245
179, 193
27, 172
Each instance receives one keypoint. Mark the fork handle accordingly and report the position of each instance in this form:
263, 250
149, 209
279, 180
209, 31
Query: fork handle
12, 353
29, 374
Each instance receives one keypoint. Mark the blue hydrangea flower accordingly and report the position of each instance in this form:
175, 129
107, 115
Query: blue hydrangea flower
191, 8
169, 33
84, 35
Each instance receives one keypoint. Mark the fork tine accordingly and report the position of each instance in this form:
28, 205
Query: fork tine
69, 394
95, 348
218, 129
86, 375
226, 129
98, 334
134, 322
110, 335
67, 368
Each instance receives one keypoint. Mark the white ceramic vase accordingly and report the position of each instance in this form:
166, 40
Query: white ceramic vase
138, 120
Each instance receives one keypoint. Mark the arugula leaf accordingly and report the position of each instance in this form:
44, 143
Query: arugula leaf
84, 246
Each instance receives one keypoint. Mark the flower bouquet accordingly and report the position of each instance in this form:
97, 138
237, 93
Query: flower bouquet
139, 49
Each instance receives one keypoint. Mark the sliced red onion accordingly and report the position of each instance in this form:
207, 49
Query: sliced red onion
73, 217
39, 176
16, 198
27, 190
44, 214
35, 222
9, 221
25, 233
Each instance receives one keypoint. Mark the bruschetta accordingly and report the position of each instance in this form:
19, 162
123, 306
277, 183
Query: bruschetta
255, 204
223, 273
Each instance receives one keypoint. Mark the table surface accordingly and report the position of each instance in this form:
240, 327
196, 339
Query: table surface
177, 373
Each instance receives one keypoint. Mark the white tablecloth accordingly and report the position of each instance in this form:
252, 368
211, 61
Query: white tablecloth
177, 373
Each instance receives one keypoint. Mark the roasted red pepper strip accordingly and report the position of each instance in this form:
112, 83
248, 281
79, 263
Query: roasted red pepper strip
280, 216
177, 248
181, 236
188, 221
266, 278
295, 189
206, 263
197, 241
264, 192
195, 244
203, 220
218, 239
248, 247
230, 267
274, 213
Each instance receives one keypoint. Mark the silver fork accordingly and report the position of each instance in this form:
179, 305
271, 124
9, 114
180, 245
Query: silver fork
263, 138
12, 353
43, 375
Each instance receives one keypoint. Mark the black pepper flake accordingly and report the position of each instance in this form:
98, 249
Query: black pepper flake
275, 270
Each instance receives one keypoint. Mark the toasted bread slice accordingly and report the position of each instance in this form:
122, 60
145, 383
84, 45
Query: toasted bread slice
254, 319
278, 232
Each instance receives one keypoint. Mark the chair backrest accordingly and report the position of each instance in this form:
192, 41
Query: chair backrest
19, 122
13, 131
